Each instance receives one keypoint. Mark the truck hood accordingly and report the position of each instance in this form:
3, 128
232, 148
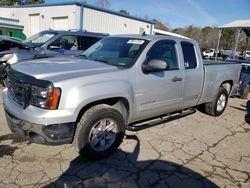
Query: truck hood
63, 67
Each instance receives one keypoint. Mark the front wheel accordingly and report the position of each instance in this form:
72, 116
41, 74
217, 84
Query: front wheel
218, 105
99, 132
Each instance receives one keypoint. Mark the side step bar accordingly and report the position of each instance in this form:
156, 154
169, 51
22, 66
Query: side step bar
137, 126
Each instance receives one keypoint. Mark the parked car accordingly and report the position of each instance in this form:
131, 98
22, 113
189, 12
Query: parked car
227, 53
52, 42
11, 43
244, 81
244, 88
91, 99
208, 54
47, 44
246, 54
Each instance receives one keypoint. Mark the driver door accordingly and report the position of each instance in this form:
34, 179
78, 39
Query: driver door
159, 92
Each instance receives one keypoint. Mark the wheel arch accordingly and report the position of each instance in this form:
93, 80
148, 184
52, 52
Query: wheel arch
119, 103
228, 85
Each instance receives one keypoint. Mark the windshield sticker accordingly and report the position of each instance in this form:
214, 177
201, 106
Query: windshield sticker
136, 42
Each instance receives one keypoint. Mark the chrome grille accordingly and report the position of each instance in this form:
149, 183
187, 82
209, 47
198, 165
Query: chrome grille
17, 90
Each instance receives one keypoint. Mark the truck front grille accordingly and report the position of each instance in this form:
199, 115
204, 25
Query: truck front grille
17, 90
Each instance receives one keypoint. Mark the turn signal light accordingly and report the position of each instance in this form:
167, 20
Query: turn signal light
53, 98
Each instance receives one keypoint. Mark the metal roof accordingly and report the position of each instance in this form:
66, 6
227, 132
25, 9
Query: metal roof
238, 24
8, 23
83, 4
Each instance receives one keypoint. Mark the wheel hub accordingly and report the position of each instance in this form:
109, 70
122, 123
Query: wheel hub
103, 134
221, 103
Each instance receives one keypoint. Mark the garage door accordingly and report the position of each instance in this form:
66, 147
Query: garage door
60, 23
34, 24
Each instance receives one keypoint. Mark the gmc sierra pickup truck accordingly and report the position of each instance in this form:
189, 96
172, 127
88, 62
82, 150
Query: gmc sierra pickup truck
91, 99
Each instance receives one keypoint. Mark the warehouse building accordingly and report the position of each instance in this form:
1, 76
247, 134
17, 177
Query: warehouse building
75, 16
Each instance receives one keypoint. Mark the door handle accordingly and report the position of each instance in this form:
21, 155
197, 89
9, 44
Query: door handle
176, 79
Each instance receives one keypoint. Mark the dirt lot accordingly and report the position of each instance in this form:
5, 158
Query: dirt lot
193, 151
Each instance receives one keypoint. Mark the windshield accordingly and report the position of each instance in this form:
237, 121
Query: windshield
40, 38
117, 51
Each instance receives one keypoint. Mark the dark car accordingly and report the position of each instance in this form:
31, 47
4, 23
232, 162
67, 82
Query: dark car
8, 43
244, 80
46, 44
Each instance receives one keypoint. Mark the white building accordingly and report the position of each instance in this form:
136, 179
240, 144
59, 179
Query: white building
75, 16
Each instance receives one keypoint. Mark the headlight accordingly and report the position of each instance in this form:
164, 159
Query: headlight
6, 57
47, 98
9, 58
13, 59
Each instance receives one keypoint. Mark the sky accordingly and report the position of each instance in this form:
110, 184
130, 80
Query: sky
181, 13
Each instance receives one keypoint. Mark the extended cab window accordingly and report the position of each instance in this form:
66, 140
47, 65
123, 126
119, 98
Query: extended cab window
164, 50
189, 55
67, 42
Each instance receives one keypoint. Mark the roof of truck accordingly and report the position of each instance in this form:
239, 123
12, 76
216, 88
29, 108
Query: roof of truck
153, 37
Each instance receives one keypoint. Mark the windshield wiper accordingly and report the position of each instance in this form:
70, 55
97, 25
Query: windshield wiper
83, 56
101, 60
109, 63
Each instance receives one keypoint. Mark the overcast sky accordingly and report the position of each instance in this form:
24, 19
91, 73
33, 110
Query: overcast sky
181, 13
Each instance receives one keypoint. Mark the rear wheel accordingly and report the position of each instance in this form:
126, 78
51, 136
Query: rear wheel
218, 105
99, 132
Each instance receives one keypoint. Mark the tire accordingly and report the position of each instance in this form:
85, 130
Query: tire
218, 105
92, 137
245, 92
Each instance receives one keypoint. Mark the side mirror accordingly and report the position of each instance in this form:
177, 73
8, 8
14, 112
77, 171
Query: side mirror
154, 65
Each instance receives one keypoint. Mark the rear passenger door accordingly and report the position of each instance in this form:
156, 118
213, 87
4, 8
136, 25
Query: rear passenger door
193, 75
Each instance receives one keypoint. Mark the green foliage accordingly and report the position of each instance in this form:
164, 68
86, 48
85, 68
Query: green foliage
21, 2
8, 2
34, 1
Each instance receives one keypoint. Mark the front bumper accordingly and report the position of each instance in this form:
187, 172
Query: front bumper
54, 134
41, 126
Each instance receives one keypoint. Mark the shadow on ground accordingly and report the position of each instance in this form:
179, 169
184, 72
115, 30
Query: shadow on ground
122, 169
7, 149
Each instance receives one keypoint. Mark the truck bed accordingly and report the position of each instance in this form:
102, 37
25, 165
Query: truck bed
215, 73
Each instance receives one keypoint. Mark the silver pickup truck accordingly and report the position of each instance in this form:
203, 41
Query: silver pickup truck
91, 99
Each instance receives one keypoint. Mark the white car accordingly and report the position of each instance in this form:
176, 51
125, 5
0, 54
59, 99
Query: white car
209, 53
246, 54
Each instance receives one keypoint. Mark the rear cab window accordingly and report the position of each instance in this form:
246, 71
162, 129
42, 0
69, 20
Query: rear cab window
190, 61
86, 41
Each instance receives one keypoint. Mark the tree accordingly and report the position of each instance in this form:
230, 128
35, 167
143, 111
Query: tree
124, 11
103, 4
34, 1
8, 2
21, 2
160, 25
